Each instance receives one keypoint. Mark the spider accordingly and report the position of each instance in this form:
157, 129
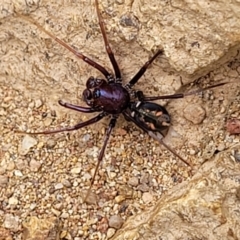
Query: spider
110, 97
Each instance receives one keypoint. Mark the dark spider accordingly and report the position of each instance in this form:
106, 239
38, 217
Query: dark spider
110, 97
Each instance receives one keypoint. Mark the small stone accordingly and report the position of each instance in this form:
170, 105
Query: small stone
31, 104
27, 143
2, 112
144, 178
48, 121
33, 206
147, 197
87, 176
133, 181
120, 198
65, 215
221, 147
86, 137
136, 133
11, 222
110, 232
76, 170
66, 183
143, 187
233, 74
18, 173
115, 221
194, 113
58, 206
233, 126
55, 212
192, 152
91, 199
3, 181
75, 183
51, 143
58, 186
13, 201
10, 166
34, 165
38, 103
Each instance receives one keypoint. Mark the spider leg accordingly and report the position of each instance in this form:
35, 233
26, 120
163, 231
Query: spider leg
108, 48
160, 140
101, 154
76, 107
179, 95
68, 129
143, 70
156, 137
76, 53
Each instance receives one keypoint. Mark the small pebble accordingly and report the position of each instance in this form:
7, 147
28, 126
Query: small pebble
75, 170
18, 173
11, 222
33, 206
133, 181
194, 113
27, 143
51, 143
233, 74
221, 147
144, 178
119, 198
56, 212
147, 197
10, 166
48, 121
34, 165
110, 232
65, 215
58, 186
192, 152
3, 181
66, 183
135, 133
115, 221
86, 137
13, 201
38, 103
143, 187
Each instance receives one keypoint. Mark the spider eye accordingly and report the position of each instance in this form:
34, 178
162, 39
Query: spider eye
87, 95
94, 82
96, 93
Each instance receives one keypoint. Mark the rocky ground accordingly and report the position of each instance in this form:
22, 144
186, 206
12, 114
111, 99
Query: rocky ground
44, 178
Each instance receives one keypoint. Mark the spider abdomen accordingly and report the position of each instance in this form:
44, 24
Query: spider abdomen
151, 116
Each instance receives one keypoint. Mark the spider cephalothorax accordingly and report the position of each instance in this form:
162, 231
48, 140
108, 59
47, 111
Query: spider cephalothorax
111, 97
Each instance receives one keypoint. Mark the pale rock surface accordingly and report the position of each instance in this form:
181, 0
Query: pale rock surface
207, 207
197, 36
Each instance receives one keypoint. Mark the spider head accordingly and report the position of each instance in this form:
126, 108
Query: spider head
92, 91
